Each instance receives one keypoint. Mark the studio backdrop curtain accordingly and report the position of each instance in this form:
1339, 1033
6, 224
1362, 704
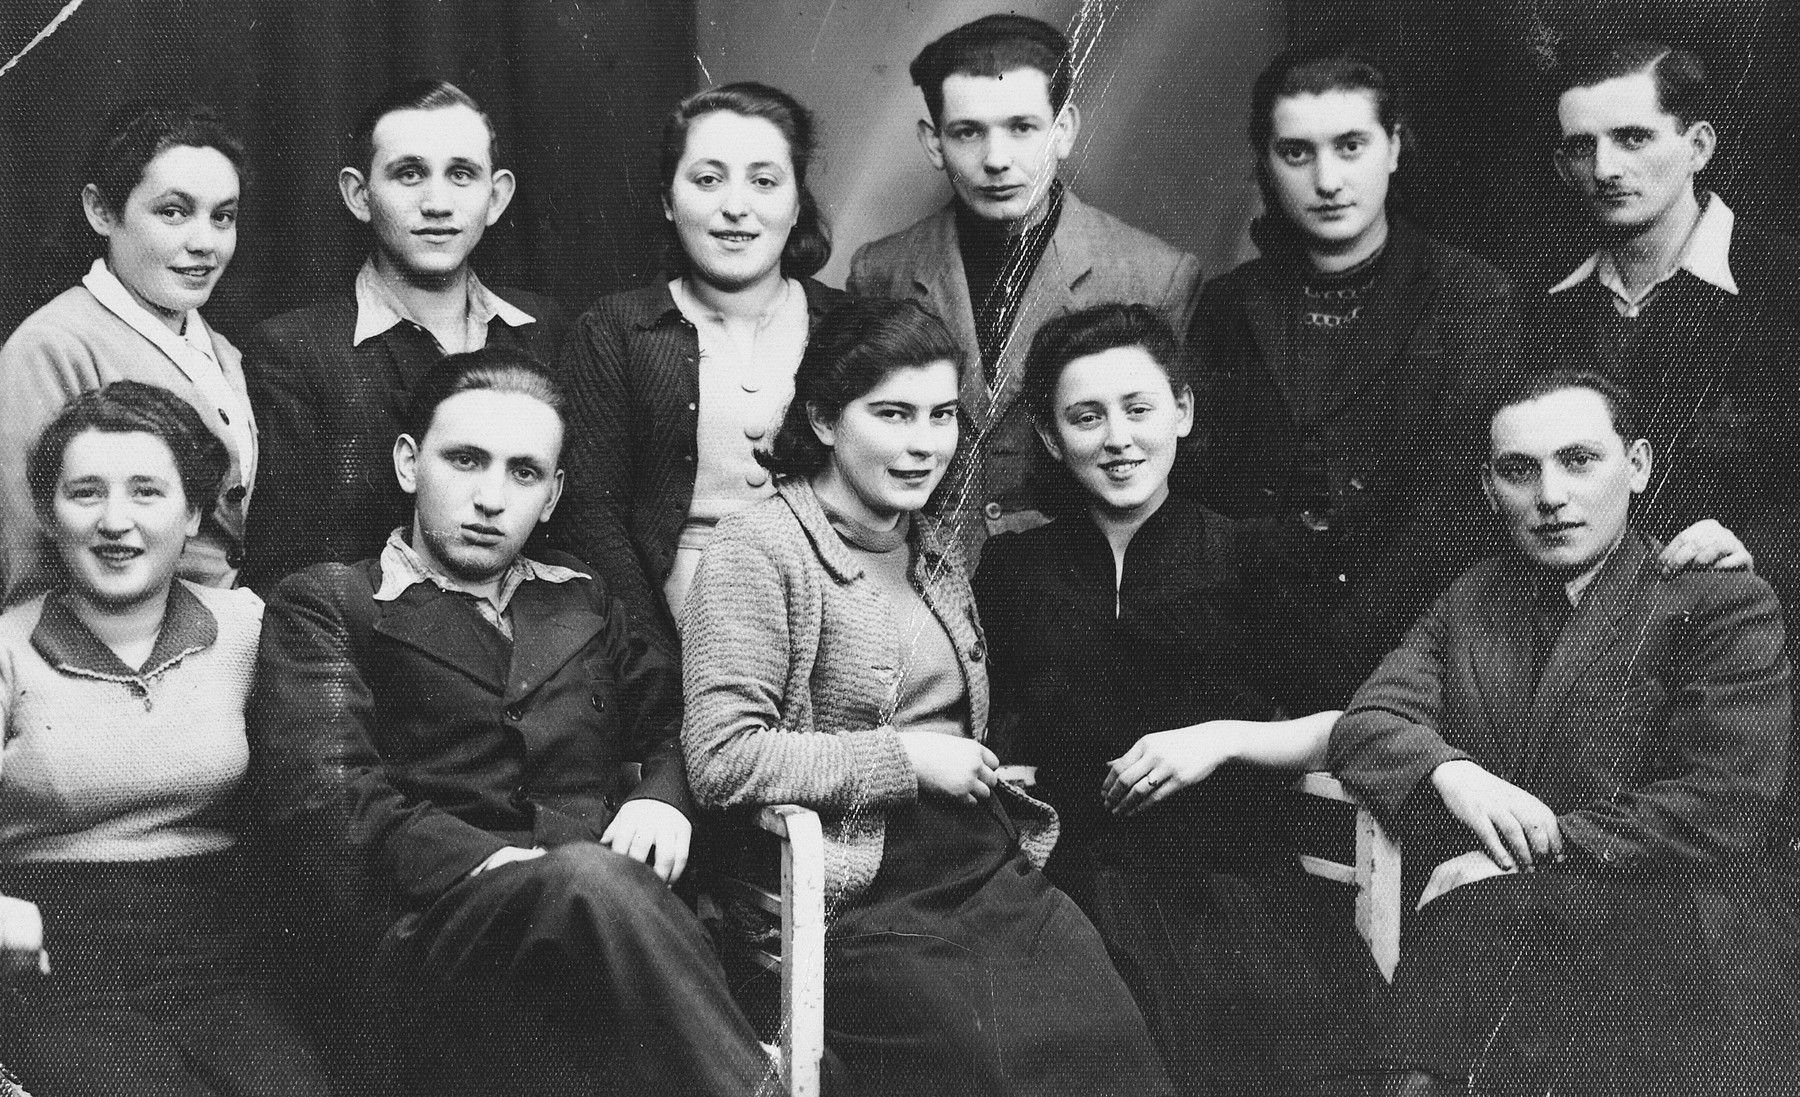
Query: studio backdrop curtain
578, 89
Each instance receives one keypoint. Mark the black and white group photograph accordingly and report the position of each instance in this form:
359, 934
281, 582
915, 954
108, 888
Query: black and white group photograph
899, 548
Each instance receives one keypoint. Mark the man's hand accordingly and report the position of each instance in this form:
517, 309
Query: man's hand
645, 825
506, 855
1704, 546
1161, 764
1457, 871
952, 766
21, 938
1517, 829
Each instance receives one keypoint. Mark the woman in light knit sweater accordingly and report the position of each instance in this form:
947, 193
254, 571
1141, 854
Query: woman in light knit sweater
124, 958
832, 658
160, 190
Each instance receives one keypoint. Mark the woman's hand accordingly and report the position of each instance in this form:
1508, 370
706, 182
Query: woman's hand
1705, 545
645, 825
1517, 829
1164, 762
1457, 871
949, 765
21, 938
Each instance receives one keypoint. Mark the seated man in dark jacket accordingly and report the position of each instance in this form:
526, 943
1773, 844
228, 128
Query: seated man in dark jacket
436, 735
1582, 754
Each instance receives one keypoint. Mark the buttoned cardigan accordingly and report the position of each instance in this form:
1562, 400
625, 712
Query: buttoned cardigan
632, 370
791, 667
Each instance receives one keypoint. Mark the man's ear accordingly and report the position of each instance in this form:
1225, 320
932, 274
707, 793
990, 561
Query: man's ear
1638, 455
93, 207
556, 490
1487, 487
1702, 141
505, 184
932, 142
406, 463
353, 185
1064, 130
824, 429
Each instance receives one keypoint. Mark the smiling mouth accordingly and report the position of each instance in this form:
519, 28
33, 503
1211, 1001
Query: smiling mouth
437, 234
194, 272
910, 476
117, 554
734, 236
1555, 529
1119, 470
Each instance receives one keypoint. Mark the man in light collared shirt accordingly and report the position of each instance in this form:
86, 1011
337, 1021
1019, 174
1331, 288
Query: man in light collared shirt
1683, 302
329, 381
439, 731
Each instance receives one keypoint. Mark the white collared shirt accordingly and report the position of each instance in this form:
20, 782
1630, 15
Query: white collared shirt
402, 567
1706, 256
192, 353
378, 309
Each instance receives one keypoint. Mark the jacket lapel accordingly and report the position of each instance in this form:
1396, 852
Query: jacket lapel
940, 281
1050, 293
549, 628
1592, 632
441, 626
1502, 666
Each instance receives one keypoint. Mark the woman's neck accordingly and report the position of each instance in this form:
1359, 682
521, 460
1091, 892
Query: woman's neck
753, 304
1120, 526
130, 630
1327, 261
838, 496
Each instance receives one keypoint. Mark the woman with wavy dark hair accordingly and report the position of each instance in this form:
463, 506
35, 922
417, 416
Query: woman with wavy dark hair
160, 193
129, 962
675, 386
833, 659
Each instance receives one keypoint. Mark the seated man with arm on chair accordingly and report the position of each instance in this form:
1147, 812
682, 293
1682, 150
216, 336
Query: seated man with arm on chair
436, 733
1584, 752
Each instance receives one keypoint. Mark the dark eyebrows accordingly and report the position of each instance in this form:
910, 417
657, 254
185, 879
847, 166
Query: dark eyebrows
467, 164
402, 163
528, 462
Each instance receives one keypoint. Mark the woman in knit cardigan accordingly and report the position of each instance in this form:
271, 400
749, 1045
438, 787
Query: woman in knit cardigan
160, 191
833, 659
125, 965
674, 386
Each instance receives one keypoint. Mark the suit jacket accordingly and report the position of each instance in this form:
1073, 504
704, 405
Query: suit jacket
1657, 729
1093, 258
1400, 440
330, 412
396, 745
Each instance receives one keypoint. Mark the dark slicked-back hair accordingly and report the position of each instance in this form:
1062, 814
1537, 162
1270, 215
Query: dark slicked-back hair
490, 369
851, 351
1314, 69
131, 407
993, 46
1682, 88
137, 133
1078, 335
424, 94
808, 245
1536, 385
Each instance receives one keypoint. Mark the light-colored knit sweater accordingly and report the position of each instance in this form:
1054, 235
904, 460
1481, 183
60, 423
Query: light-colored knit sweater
790, 665
103, 764
72, 345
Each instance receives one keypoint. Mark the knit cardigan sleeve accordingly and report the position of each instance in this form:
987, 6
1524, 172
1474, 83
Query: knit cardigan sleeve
751, 642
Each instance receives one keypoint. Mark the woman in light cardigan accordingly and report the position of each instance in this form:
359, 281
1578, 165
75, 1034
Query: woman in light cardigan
160, 190
833, 659
127, 954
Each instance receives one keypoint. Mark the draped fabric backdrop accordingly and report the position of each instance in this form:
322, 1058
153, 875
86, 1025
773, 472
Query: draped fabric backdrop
578, 89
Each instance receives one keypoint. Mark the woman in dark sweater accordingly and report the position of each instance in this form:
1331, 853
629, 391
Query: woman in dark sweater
1124, 643
675, 385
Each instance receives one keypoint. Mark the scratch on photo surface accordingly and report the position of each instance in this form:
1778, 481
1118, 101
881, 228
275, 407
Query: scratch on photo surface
49, 29
706, 77
817, 38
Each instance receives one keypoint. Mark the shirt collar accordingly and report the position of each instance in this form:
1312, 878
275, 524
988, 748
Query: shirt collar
1707, 255
402, 567
69, 646
378, 309
110, 292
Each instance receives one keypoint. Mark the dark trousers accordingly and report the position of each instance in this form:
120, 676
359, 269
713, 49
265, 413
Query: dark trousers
609, 972
159, 987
